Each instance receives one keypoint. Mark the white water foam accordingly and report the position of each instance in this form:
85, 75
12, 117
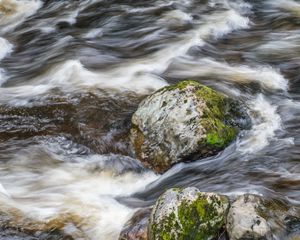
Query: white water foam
267, 76
265, 124
73, 76
147, 9
55, 189
17, 12
3, 191
95, 32
5, 49
2, 76
222, 24
176, 18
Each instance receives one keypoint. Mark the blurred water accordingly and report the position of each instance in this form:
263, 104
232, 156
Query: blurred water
73, 72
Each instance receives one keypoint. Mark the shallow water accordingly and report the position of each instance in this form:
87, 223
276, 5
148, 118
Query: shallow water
73, 72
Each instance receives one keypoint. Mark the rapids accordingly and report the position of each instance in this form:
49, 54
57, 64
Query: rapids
73, 72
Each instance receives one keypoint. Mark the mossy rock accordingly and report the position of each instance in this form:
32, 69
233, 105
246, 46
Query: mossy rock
184, 122
188, 214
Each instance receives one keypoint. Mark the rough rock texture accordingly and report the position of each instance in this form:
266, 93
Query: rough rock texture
246, 219
188, 214
137, 227
14, 225
184, 122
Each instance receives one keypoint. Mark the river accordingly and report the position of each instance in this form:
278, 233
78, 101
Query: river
73, 72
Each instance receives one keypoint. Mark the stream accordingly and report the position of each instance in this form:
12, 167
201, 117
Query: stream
72, 73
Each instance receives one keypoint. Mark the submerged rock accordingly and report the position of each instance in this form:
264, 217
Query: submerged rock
293, 227
15, 225
188, 214
246, 219
136, 228
184, 122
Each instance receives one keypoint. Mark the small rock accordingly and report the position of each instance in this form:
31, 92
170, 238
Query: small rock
188, 214
245, 219
136, 228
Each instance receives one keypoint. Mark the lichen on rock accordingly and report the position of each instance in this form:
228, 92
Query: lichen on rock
184, 122
187, 214
246, 219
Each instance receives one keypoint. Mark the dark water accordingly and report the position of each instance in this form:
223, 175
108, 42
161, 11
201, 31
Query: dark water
72, 74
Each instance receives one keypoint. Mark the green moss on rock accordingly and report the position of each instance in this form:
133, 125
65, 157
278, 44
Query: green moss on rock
188, 215
180, 86
218, 133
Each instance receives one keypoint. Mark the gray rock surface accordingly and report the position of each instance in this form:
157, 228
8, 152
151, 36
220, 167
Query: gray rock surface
137, 227
245, 219
182, 123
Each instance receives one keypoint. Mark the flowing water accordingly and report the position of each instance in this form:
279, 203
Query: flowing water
73, 72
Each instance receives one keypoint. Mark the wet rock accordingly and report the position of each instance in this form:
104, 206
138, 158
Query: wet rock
14, 225
17, 234
246, 219
184, 122
188, 214
292, 227
136, 228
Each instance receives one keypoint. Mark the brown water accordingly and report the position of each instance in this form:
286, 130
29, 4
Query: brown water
73, 72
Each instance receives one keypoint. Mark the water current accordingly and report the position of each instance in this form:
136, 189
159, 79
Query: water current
73, 72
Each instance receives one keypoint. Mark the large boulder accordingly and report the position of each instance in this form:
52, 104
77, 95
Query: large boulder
184, 122
188, 214
247, 219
